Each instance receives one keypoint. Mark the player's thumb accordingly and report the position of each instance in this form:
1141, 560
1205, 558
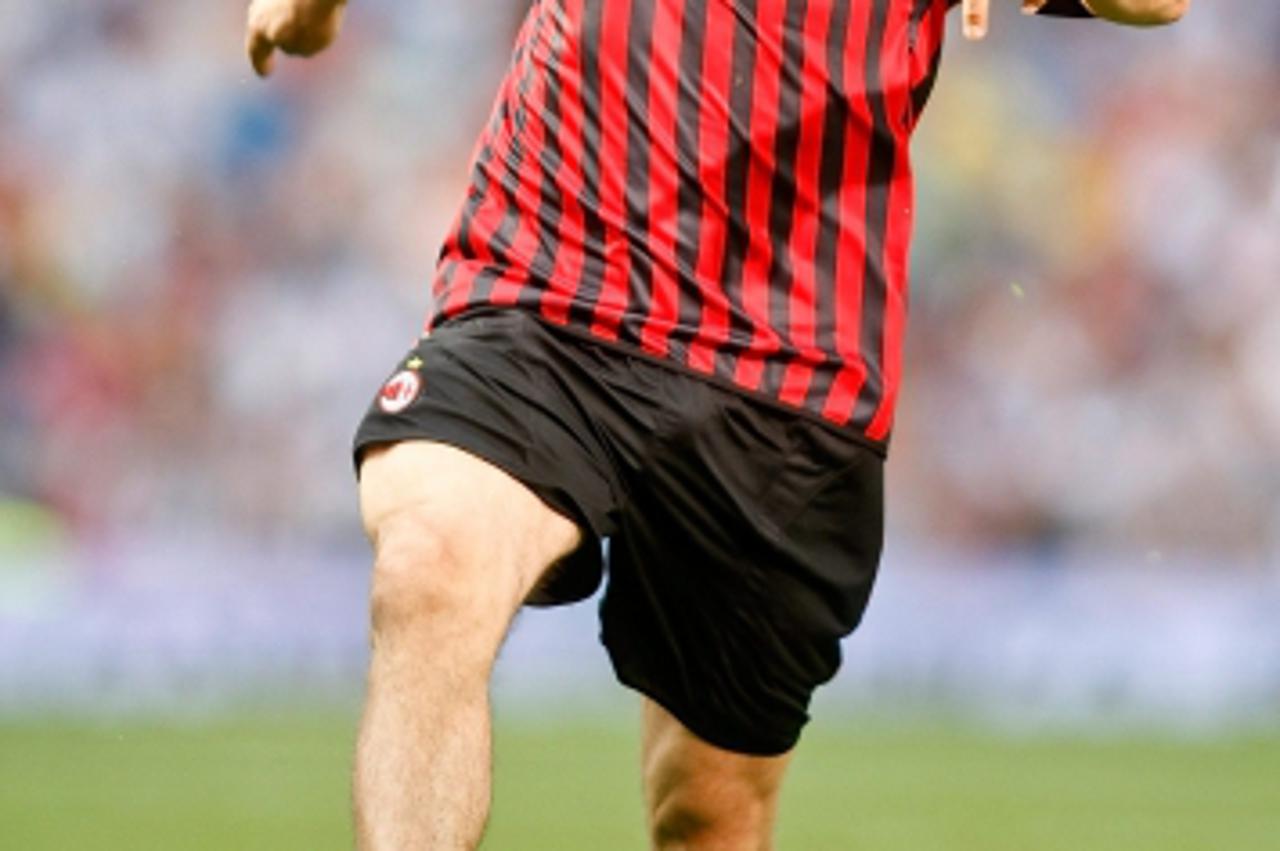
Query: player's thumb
261, 52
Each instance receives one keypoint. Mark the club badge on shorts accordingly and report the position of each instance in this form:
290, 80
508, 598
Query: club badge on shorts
401, 389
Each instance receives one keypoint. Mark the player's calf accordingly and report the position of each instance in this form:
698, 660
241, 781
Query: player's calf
704, 798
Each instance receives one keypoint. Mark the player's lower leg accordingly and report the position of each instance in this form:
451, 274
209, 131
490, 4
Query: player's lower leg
458, 546
422, 762
703, 798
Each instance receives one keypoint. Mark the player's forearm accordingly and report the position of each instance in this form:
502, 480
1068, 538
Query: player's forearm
1139, 13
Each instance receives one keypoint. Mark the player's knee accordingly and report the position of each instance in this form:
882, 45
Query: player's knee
678, 823
687, 825
687, 818
424, 576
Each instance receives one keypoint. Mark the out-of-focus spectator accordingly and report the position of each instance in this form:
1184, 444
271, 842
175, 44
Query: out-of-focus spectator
204, 276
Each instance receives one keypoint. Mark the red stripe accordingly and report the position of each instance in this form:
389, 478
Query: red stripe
895, 66
440, 281
851, 254
526, 181
713, 134
764, 127
664, 175
528, 178
804, 235
489, 147
897, 256
614, 45
569, 251
464, 278
510, 276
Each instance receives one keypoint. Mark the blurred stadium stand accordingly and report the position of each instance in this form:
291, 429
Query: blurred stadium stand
203, 278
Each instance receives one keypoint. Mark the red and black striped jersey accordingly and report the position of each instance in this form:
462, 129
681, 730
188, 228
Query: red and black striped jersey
724, 184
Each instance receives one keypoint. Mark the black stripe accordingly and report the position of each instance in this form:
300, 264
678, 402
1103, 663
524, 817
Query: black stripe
639, 145
693, 30
880, 170
830, 182
737, 174
783, 192
921, 90
479, 187
477, 191
593, 260
919, 9
446, 271
508, 178
550, 199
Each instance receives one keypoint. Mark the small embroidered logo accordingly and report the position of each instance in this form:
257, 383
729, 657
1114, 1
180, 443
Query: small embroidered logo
400, 391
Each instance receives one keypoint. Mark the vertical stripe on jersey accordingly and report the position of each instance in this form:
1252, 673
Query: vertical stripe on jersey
832, 223
898, 226
782, 209
757, 287
712, 156
740, 135
666, 175
499, 280
614, 45
880, 171
801, 305
637, 223
851, 256
897, 258
925, 45
457, 292
496, 225
524, 178
565, 132
550, 207
593, 248
688, 144
474, 229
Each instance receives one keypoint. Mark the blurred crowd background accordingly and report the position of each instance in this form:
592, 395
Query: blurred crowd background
204, 277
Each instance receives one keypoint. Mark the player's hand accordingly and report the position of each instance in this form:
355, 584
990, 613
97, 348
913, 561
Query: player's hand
296, 27
977, 16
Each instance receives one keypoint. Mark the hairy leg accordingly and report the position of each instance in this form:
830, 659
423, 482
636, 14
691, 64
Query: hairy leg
458, 544
704, 798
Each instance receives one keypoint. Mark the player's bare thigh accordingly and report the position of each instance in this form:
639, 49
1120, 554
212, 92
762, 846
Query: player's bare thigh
704, 798
458, 522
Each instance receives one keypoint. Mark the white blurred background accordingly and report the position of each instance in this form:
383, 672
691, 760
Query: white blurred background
204, 277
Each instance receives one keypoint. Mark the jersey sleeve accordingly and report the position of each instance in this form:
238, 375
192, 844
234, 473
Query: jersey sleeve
1066, 9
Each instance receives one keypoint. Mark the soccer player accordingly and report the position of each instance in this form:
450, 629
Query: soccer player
670, 314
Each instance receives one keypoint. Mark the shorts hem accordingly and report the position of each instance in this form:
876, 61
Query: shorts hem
755, 747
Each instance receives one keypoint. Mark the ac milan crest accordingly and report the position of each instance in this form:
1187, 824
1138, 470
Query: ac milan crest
399, 391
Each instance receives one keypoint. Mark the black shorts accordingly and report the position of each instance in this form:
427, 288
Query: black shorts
743, 538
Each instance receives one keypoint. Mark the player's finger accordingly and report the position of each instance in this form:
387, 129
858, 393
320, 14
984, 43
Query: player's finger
1031, 7
261, 52
976, 16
